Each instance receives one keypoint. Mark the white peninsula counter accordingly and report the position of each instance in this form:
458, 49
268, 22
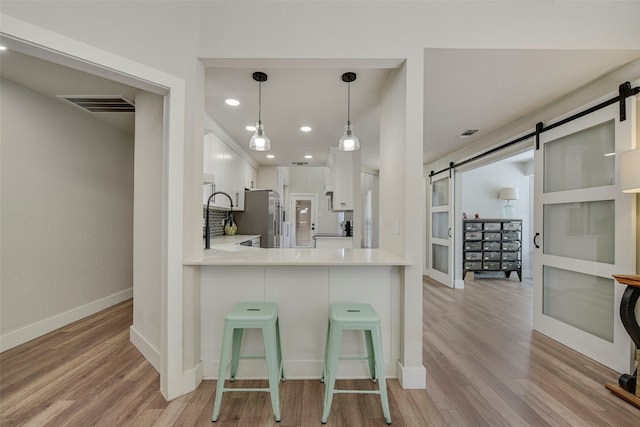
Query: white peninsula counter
303, 282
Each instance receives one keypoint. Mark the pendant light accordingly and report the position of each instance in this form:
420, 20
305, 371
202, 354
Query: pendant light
259, 141
349, 141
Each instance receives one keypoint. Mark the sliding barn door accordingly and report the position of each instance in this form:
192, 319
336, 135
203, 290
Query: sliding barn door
441, 231
583, 229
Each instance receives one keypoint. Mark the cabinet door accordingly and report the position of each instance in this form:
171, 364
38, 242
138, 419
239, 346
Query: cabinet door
208, 175
343, 184
218, 169
249, 175
234, 165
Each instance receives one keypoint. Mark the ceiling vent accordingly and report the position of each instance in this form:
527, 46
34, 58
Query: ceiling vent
467, 133
101, 103
300, 163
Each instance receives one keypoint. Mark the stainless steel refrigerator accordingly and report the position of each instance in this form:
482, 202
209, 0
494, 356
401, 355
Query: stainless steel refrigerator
262, 215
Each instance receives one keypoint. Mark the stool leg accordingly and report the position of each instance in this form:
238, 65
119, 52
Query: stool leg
331, 365
370, 354
235, 351
382, 381
271, 354
280, 361
326, 350
222, 370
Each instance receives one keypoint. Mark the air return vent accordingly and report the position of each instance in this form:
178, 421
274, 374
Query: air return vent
299, 163
101, 103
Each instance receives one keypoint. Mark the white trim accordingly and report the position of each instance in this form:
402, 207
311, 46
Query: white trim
42, 327
37, 41
148, 351
411, 377
458, 284
192, 378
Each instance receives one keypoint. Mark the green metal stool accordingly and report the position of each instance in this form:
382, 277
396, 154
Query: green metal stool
354, 316
255, 315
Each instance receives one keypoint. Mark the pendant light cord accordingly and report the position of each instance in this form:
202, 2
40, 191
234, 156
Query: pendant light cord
259, 101
349, 103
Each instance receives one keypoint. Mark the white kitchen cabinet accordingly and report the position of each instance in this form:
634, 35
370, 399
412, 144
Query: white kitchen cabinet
234, 178
249, 176
225, 170
342, 171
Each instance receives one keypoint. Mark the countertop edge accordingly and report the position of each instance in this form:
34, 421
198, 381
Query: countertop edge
293, 257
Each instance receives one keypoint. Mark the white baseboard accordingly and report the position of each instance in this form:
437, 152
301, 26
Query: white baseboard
414, 377
42, 327
192, 378
148, 351
297, 369
458, 284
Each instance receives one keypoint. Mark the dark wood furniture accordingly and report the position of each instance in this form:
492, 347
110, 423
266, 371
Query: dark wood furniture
628, 317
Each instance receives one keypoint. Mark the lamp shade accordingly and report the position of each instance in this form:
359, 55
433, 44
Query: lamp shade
630, 171
508, 193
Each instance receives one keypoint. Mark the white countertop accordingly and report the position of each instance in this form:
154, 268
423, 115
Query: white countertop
244, 255
231, 240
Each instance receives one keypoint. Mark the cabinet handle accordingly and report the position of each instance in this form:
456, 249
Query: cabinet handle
535, 241
449, 232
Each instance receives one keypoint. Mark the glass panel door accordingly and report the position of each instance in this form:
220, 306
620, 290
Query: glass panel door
441, 235
583, 236
304, 208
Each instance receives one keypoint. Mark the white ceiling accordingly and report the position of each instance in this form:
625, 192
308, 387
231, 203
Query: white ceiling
464, 89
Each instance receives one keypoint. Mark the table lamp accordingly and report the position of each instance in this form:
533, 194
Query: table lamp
508, 194
630, 171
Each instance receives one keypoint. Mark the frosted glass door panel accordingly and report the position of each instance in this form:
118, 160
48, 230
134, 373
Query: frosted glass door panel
440, 258
303, 223
581, 230
440, 192
582, 159
440, 225
581, 300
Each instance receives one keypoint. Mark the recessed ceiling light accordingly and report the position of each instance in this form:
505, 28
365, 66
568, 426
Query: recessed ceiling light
250, 128
270, 156
468, 133
305, 129
3, 47
308, 156
232, 102
610, 154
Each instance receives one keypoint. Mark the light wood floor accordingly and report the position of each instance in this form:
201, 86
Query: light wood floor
485, 367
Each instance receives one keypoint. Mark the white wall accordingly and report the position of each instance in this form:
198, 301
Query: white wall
480, 189
67, 215
147, 232
267, 177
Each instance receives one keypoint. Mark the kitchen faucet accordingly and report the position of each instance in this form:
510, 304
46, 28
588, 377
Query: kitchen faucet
207, 231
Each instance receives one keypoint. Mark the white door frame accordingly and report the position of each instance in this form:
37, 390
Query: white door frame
48, 45
293, 197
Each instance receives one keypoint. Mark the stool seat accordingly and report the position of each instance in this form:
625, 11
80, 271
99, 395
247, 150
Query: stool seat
251, 315
253, 312
354, 316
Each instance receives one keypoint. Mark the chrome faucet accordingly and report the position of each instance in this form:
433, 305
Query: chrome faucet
207, 231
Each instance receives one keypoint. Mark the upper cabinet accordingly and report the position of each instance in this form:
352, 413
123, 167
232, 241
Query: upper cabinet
341, 179
224, 170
